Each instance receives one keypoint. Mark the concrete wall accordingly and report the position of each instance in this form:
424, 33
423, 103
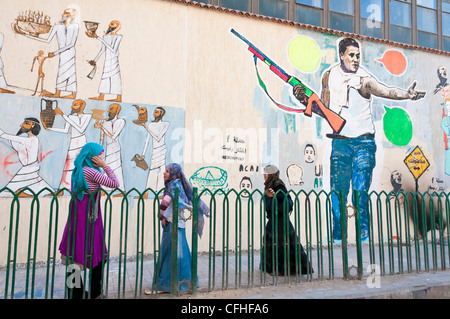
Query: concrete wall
221, 125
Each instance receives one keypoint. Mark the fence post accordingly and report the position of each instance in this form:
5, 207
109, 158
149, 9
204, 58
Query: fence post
343, 234
174, 263
194, 241
358, 234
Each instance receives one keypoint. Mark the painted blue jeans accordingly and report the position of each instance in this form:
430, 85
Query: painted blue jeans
352, 160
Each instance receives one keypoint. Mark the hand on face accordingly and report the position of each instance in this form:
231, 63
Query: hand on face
98, 161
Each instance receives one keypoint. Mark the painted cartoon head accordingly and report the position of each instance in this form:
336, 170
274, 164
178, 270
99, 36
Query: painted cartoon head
294, 174
310, 153
245, 184
442, 73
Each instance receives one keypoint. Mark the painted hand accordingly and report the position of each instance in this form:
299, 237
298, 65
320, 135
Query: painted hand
299, 93
413, 94
58, 111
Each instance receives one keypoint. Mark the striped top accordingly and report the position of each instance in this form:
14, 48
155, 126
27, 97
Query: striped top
95, 179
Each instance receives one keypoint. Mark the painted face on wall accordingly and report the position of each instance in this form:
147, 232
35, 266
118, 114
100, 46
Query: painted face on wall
158, 114
246, 184
442, 72
350, 59
78, 106
113, 26
113, 110
25, 127
310, 154
68, 15
396, 177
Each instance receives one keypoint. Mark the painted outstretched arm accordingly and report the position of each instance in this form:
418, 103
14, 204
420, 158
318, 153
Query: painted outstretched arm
12, 138
59, 130
370, 85
69, 45
51, 35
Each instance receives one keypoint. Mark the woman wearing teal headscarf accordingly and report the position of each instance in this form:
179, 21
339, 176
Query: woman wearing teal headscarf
87, 178
174, 178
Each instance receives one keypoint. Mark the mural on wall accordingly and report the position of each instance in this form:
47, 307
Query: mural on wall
110, 82
245, 187
329, 82
294, 173
211, 178
443, 79
76, 124
136, 150
313, 171
396, 182
27, 161
445, 124
32, 23
40, 59
156, 130
348, 90
111, 128
302, 92
397, 126
394, 61
66, 32
27, 150
304, 53
3, 84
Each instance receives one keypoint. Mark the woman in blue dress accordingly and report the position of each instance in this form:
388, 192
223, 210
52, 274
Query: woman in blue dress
175, 178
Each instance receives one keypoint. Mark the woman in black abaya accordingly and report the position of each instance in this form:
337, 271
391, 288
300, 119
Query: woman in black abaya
279, 229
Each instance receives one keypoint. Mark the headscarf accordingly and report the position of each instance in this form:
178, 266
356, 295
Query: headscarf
177, 179
84, 159
273, 179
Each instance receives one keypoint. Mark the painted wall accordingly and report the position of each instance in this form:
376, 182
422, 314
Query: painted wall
221, 125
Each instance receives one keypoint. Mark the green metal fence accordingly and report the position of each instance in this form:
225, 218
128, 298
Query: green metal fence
407, 233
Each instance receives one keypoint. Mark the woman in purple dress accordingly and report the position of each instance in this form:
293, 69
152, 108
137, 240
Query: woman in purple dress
85, 222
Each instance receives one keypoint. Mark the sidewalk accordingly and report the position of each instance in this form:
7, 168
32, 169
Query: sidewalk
433, 285
235, 276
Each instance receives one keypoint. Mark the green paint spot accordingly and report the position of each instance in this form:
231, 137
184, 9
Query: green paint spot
397, 126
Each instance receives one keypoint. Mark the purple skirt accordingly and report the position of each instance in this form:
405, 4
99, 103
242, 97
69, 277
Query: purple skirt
77, 236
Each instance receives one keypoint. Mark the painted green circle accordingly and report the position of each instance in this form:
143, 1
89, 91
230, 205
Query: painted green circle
397, 126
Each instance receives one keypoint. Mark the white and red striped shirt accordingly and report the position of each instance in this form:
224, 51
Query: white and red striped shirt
95, 179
